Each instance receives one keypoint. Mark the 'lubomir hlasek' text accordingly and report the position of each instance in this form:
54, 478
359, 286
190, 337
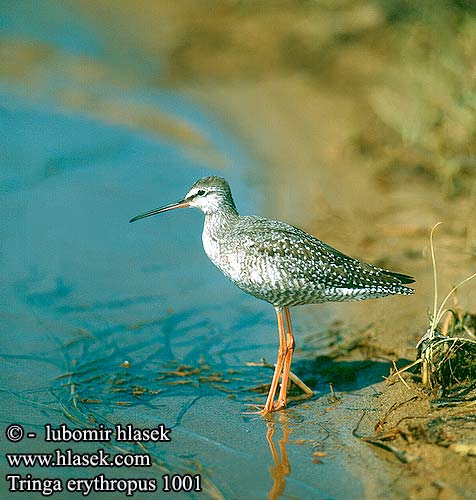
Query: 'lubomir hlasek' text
127, 433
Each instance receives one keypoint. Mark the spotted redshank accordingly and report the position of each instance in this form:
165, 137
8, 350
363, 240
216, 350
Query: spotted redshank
280, 264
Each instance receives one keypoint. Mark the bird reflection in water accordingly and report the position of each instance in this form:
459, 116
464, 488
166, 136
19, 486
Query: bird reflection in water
280, 469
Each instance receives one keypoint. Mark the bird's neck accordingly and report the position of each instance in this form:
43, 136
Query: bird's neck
218, 222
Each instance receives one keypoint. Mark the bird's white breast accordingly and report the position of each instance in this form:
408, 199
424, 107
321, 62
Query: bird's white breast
211, 247
239, 264
231, 267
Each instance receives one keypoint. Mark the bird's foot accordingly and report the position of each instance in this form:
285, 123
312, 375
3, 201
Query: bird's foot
260, 410
264, 411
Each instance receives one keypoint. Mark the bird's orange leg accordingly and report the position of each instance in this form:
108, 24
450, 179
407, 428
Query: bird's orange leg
282, 352
290, 343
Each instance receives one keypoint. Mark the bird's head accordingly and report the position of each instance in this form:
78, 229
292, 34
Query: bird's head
209, 194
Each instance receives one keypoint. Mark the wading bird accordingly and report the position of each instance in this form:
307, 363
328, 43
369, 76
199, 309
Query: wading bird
280, 264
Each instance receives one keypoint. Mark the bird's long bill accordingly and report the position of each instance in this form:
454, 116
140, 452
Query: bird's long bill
178, 204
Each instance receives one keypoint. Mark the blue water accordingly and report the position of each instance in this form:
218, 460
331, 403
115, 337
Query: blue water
109, 322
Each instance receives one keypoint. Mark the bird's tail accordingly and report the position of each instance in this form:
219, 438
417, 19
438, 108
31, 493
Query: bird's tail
403, 279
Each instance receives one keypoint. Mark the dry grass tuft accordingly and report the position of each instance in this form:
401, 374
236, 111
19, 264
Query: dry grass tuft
448, 352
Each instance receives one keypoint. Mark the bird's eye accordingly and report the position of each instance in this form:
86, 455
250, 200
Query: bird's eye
201, 192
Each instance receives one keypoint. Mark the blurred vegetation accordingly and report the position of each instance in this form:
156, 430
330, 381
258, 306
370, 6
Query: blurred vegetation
410, 66
412, 63
429, 94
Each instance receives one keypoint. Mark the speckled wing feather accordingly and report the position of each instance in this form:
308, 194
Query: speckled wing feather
292, 267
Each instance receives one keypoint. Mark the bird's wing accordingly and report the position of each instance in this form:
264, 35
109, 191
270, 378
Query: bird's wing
294, 246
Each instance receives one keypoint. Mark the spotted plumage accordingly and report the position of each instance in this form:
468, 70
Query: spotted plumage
280, 264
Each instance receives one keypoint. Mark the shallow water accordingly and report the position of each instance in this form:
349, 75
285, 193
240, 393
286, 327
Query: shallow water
109, 322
